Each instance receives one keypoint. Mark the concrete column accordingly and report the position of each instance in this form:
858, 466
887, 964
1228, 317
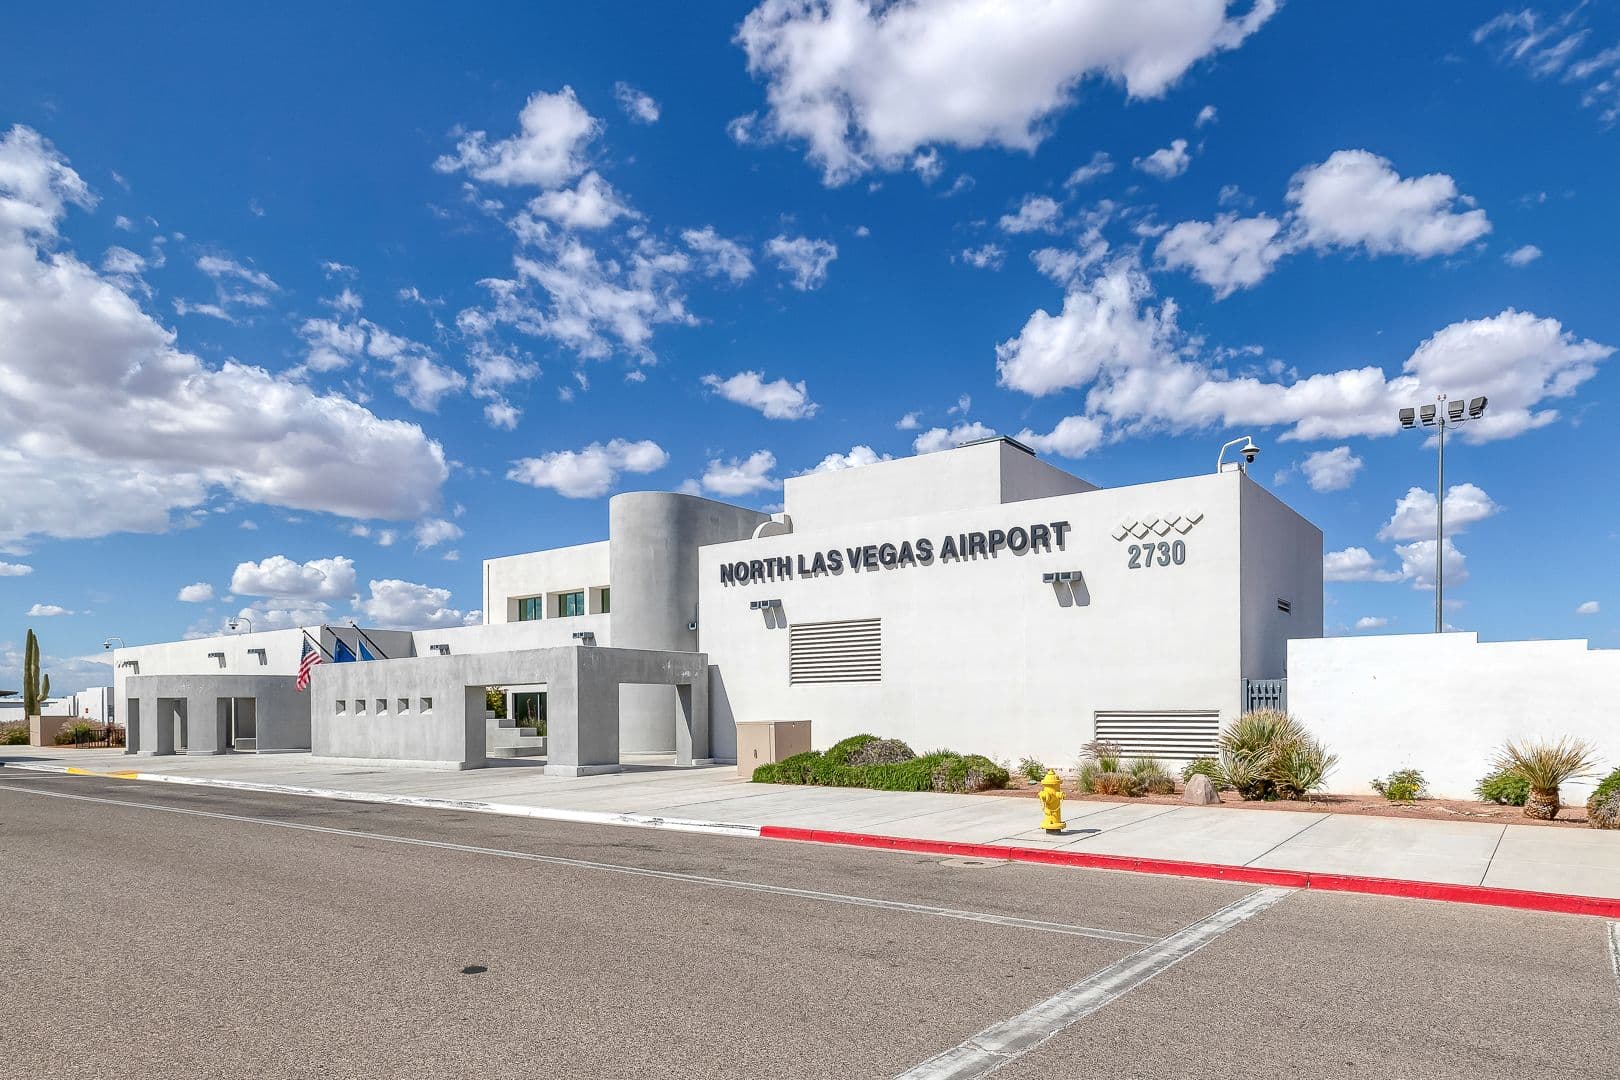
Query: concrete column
653, 569
582, 729
475, 728
692, 722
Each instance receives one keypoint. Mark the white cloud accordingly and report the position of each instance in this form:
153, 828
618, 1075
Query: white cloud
1066, 266
405, 605
283, 579
719, 255
637, 105
857, 457
1227, 254
1356, 199
944, 438
1331, 470
1466, 504
1142, 373
1035, 213
502, 415
46, 611
1588, 607
274, 615
1167, 162
591, 472
1073, 437
804, 258
1355, 564
984, 257
1371, 622
200, 593
547, 152
866, 86
77, 346
927, 164
1100, 165
435, 531
1522, 256
1417, 563
11, 569
744, 476
909, 422
590, 204
217, 268
778, 400
1206, 115
1558, 48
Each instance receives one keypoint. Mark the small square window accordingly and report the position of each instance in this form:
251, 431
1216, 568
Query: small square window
359, 705
427, 704
382, 705
342, 707
404, 705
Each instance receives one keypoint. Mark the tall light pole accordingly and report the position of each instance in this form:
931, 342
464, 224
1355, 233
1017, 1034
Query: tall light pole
1442, 414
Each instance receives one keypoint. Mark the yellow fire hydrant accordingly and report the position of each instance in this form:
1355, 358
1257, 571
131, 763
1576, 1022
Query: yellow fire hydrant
1052, 802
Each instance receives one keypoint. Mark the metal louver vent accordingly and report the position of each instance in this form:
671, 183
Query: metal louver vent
1179, 735
828, 652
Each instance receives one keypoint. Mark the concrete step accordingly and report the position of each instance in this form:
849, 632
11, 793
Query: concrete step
515, 751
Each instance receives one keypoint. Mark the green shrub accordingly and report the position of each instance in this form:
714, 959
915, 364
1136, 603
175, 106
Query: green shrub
1105, 753
765, 774
1402, 785
1032, 770
1085, 779
1503, 787
1609, 785
1267, 754
13, 734
80, 731
1603, 808
1204, 766
970, 773
880, 752
1154, 777
839, 752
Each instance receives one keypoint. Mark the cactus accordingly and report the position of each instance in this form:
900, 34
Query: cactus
31, 699
44, 688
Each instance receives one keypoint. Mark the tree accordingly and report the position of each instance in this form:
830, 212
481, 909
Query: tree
31, 698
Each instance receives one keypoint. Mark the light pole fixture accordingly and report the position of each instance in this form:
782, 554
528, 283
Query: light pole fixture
1246, 448
237, 620
1441, 415
122, 644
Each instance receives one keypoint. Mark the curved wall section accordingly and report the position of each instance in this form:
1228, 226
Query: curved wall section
653, 557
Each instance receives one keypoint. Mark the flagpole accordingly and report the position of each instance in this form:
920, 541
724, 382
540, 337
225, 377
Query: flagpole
380, 654
317, 643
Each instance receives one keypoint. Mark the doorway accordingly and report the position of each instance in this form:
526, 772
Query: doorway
244, 727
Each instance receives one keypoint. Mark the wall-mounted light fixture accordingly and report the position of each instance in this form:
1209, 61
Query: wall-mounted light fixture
756, 605
133, 665
442, 649
585, 637
217, 656
260, 653
1061, 575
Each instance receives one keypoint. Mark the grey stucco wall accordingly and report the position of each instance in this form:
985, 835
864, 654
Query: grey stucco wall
655, 537
281, 722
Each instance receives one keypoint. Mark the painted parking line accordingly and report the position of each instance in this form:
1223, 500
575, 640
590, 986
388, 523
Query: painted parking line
1614, 955
877, 903
1001, 1044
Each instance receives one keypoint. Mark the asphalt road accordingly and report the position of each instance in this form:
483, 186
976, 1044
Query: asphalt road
270, 936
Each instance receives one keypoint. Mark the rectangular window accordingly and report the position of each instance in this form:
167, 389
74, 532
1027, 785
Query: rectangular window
607, 600
570, 604
530, 608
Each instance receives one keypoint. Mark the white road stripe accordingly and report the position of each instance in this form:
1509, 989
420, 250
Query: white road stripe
1614, 954
544, 813
1118, 936
1000, 1044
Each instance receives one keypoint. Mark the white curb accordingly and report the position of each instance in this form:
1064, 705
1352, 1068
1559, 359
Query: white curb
544, 813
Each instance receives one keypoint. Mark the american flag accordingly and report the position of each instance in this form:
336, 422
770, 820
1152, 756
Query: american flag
306, 664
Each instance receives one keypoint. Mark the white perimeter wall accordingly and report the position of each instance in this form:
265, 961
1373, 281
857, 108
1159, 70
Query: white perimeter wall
982, 655
538, 573
1444, 703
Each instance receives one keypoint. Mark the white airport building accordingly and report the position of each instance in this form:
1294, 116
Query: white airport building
977, 598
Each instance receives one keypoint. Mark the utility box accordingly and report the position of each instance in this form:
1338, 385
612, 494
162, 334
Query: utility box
763, 743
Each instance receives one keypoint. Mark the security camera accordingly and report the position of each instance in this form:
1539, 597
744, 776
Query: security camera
1249, 451
692, 626
233, 624
107, 644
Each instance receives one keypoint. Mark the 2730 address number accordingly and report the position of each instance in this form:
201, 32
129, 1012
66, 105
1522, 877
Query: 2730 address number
1164, 553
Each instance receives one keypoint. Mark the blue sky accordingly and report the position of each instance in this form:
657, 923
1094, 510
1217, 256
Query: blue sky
304, 315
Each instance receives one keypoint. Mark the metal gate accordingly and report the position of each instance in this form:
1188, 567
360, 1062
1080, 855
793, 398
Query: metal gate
1265, 694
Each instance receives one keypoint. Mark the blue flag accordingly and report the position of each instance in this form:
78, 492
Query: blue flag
341, 653
365, 653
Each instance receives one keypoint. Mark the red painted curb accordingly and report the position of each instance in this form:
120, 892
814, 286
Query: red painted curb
1560, 903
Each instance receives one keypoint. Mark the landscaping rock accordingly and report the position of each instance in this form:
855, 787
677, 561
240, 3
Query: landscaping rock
1200, 792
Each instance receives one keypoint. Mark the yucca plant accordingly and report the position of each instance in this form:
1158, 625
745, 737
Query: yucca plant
1154, 778
1105, 753
1544, 766
1267, 754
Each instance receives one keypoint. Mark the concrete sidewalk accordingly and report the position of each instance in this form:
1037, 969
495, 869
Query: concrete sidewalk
1575, 862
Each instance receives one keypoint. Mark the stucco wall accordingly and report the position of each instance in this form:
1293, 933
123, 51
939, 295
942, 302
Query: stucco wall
1444, 703
982, 655
281, 720
1282, 560
539, 573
